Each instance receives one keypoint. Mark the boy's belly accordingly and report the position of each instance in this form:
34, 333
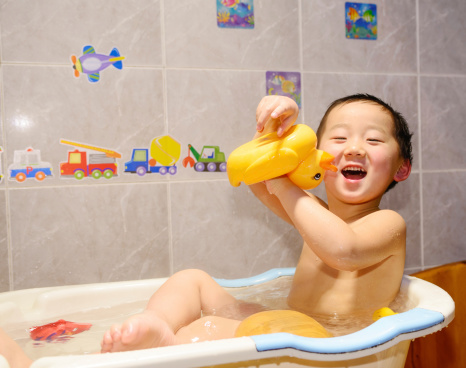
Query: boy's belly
320, 289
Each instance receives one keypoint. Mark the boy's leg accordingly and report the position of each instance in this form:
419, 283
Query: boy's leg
176, 304
11, 351
207, 329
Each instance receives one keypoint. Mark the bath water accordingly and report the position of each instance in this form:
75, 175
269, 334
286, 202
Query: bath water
87, 342
270, 295
273, 296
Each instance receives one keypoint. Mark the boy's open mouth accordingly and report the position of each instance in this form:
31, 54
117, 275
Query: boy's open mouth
354, 173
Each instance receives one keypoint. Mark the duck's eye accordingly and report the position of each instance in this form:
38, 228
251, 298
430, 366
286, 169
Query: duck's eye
317, 176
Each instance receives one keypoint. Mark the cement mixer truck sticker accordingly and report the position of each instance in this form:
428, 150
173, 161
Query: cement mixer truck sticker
160, 157
28, 164
82, 164
210, 159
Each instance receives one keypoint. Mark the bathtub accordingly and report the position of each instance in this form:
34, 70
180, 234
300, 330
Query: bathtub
384, 343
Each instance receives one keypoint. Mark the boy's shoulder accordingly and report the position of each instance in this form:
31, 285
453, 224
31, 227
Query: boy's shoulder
381, 219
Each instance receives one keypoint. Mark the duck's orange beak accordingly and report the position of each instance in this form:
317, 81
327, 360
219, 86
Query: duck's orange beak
326, 162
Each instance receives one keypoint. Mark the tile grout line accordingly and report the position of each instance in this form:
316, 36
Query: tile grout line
162, 67
421, 204
3, 159
301, 58
7, 189
165, 107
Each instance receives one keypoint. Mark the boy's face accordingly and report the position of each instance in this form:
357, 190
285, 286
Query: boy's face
361, 137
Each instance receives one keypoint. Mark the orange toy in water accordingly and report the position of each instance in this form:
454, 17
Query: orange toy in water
281, 321
54, 330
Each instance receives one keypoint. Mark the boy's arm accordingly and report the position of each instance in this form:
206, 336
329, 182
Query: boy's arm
274, 114
348, 246
273, 203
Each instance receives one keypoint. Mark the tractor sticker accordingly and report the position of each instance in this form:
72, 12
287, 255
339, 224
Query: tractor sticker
160, 157
92, 64
83, 164
284, 84
210, 159
27, 164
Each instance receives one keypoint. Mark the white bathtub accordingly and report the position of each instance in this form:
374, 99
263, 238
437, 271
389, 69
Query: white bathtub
385, 343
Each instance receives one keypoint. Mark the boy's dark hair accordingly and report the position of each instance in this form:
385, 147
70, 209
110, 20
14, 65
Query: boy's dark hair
402, 133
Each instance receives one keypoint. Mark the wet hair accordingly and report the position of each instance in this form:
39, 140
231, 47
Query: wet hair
402, 133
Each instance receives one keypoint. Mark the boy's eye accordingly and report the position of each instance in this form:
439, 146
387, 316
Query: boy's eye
374, 140
339, 138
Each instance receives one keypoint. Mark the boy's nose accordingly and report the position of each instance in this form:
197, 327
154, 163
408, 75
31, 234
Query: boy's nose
354, 150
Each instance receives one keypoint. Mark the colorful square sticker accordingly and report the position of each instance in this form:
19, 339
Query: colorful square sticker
235, 13
361, 21
284, 84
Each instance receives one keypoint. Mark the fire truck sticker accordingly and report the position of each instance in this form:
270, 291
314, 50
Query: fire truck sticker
99, 162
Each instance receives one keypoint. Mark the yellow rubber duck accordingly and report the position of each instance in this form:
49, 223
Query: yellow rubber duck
294, 154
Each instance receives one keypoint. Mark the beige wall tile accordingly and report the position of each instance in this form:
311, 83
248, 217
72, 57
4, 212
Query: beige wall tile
444, 211
77, 235
441, 41
227, 232
326, 49
50, 31
443, 129
194, 40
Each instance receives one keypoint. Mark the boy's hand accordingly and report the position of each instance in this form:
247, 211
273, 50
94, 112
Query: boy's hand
276, 107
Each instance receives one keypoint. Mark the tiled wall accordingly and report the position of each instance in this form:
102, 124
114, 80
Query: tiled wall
186, 77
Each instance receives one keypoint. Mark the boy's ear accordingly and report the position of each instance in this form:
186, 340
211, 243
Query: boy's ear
403, 172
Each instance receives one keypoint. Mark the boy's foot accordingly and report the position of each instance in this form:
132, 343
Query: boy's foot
11, 351
142, 331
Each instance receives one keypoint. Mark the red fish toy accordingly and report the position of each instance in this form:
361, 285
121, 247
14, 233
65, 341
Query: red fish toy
54, 330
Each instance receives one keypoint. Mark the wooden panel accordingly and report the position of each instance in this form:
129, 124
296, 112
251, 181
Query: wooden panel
446, 348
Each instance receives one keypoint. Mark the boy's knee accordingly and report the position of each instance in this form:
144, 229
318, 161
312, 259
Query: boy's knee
193, 275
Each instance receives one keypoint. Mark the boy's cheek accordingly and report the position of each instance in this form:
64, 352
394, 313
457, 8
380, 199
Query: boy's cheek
330, 175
